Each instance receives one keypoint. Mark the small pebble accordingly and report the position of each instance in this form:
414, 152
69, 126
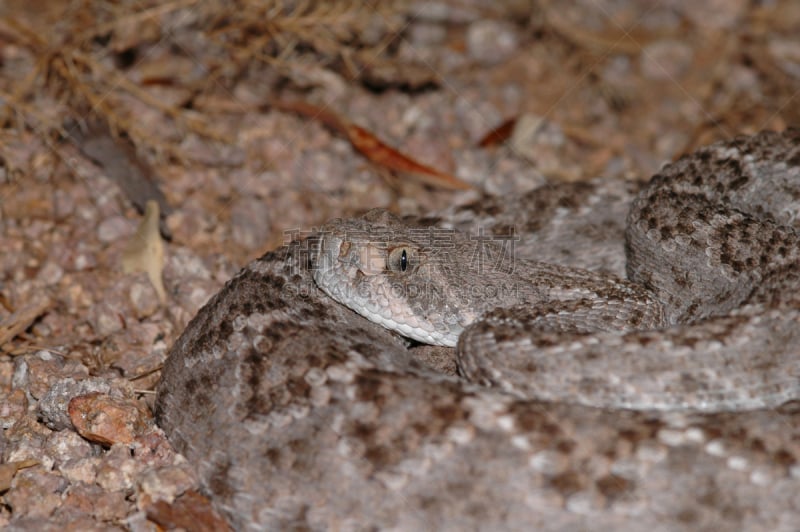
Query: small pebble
118, 469
105, 320
37, 372
114, 229
65, 445
53, 406
50, 273
83, 470
167, 482
12, 407
93, 500
35, 492
143, 297
490, 42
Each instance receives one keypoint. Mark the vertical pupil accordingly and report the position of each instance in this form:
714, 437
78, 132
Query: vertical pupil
403, 261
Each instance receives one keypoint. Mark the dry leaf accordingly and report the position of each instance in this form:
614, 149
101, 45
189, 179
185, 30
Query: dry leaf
22, 318
379, 153
375, 149
145, 251
499, 134
325, 116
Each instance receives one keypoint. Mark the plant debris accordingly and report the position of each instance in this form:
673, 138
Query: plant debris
145, 251
374, 149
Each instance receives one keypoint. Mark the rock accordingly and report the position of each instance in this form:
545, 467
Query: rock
115, 228
80, 470
12, 407
105, 319
53, 406
165, 483
108, 420
38, 371
25, 440
92, 500
66, 445
118, 469
143, 297
35, 492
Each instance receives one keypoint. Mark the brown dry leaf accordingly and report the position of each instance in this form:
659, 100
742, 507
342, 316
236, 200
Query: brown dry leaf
22, 318
145, 251
8, 470
375, 149
190, 511
499, 134
325, 116
379, 153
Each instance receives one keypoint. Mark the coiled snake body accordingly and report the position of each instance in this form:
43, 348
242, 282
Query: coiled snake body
665, 401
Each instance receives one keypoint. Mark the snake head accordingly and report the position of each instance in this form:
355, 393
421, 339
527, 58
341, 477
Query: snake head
388, 272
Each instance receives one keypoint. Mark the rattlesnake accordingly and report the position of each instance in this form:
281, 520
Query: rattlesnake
664, 402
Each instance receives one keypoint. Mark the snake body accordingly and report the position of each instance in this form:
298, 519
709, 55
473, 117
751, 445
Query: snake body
664, 401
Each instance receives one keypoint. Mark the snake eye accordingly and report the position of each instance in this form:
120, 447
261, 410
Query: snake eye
401, 259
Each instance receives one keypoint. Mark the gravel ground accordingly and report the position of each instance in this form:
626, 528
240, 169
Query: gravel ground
596, 88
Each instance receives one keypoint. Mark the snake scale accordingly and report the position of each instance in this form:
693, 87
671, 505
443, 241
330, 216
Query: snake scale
627, 359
